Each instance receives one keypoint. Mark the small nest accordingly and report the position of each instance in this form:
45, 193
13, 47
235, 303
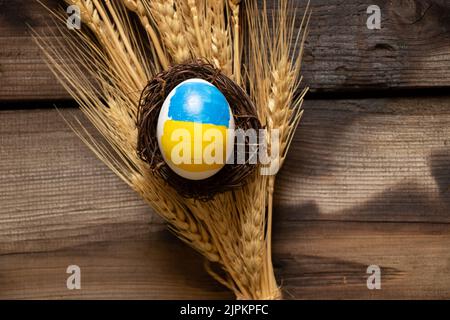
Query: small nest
245, 117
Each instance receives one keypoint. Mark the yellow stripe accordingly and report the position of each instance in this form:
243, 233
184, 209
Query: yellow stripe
194, 147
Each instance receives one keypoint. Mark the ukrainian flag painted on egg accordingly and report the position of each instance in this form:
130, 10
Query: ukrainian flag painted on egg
195, 129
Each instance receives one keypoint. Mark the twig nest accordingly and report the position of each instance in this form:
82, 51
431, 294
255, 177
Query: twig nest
187, 119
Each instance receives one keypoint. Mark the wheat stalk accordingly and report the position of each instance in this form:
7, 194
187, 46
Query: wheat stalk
253, 224
221, 51
207, 31
234, 6
271, 62
195, 19
225, 232
124, 57
109, 111
185, 11
284, 112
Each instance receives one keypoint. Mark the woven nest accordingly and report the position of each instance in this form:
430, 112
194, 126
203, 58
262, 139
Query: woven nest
152, 98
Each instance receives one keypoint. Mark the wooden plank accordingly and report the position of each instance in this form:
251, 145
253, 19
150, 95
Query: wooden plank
50, 179
366, 182
128, 269
313, 260
369, 160
410, 51
329, 259
59, 205
24, 74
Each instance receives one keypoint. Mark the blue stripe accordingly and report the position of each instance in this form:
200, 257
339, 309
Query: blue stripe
199, 102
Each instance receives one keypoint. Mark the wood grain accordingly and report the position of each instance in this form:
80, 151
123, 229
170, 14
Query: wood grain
384, 160
126, 269
366, 182
411, 51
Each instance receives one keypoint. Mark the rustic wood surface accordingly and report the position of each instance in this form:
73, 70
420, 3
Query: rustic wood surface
412, 49
367, 182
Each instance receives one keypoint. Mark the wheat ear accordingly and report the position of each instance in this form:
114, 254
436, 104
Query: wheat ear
171, 28
234, 6
195, 19
251, 209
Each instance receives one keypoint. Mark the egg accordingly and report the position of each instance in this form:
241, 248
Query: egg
195, 129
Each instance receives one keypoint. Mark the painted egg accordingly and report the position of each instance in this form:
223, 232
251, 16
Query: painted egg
195, 129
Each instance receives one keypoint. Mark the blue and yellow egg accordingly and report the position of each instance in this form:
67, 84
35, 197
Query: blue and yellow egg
195, 129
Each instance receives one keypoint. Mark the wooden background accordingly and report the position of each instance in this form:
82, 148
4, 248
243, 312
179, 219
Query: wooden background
367, 180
